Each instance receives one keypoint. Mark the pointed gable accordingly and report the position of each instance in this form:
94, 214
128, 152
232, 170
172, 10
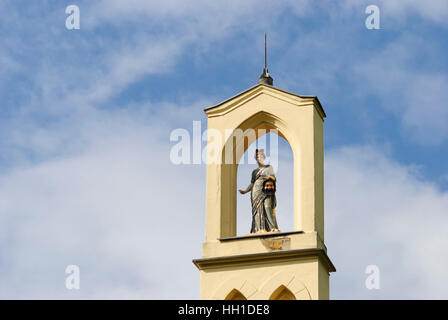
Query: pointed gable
262, 89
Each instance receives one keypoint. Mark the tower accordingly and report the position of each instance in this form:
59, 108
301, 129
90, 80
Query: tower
287, 265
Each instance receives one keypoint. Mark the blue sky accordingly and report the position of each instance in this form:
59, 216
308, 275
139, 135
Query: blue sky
85, 119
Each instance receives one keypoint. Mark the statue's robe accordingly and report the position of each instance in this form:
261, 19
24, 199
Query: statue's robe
263, 205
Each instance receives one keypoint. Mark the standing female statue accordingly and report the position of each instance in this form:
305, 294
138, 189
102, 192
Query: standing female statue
262, 188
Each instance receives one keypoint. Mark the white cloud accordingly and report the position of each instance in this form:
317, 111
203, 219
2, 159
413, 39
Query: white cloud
416, 97
435, 10
401, 11
102, 193
133, 221
152, 37
207, 17
118, 209
378, 212
405, 77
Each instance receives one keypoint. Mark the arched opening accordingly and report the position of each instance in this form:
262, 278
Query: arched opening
237, 144
280, 156
282, 293
235, 295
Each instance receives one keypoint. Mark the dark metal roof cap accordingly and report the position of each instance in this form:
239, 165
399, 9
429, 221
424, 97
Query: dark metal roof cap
265, 78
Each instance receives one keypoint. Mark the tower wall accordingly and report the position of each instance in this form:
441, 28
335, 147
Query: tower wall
296, 260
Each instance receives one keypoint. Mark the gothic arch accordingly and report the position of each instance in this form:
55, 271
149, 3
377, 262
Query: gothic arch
282, 293
235, 144
299, 121
229, 289
280, 281
235, 295
259, 120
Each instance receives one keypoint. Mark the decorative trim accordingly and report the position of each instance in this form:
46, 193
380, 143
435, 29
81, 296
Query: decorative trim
289, 255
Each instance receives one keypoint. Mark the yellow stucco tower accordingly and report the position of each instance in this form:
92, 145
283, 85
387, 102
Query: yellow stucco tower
286, 265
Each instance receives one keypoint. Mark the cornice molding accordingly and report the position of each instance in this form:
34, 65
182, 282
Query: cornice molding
265, 257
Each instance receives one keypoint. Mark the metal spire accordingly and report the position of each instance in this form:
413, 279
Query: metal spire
265, 78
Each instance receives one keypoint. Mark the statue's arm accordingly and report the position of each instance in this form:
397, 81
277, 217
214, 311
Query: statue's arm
249, 188
252, 181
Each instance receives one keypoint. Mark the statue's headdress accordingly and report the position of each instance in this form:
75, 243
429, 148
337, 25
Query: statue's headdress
259, 151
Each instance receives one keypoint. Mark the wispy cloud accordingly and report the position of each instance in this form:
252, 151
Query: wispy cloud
381, 213
110, 210
87, 180
106, 208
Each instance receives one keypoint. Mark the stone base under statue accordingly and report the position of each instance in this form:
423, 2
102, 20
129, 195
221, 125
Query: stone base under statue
261, 232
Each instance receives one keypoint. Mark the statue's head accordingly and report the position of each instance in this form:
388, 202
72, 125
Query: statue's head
269, 186
260, 156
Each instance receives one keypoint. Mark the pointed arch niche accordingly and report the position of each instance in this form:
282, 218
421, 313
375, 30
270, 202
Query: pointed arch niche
279, 154
263, 123
282, 293
298, 120
235, 295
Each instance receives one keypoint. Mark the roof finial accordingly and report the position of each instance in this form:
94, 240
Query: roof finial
265, 52
265, 78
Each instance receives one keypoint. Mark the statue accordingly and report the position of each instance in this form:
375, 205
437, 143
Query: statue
262, 188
